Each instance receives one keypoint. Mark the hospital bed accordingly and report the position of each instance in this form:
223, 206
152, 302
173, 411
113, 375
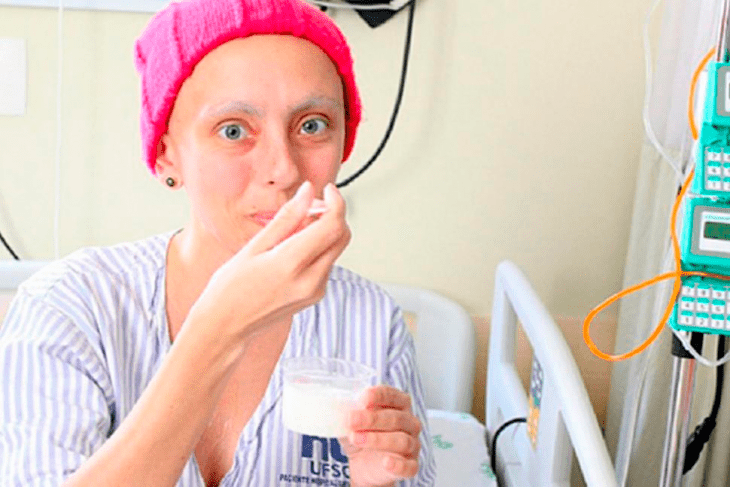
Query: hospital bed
445, 348
562, 421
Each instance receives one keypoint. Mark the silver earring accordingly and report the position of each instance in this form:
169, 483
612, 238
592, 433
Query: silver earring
170, 182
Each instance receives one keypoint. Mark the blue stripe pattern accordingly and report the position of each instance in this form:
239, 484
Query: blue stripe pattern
85, 335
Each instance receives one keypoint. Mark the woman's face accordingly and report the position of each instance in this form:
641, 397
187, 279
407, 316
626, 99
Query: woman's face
257, 118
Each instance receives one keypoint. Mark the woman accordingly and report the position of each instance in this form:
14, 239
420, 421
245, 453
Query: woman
157, 362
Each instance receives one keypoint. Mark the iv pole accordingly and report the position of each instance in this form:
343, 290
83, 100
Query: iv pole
683, 365
678, 416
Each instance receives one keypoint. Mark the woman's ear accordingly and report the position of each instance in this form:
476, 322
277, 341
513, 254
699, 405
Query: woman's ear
167, 163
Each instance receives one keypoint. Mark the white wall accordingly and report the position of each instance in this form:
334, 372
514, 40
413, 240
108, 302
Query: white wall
518, 138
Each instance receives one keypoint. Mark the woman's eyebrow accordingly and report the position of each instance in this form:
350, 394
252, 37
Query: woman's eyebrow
317, 101
233, 107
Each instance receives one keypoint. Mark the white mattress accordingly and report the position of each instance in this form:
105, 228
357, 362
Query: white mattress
460, 448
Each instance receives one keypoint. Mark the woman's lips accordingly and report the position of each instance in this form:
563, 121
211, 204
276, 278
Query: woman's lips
263, 217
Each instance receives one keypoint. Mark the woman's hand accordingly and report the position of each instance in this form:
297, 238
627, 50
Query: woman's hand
281, 270
383, 445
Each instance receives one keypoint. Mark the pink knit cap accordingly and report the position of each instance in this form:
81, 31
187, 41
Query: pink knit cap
180, 35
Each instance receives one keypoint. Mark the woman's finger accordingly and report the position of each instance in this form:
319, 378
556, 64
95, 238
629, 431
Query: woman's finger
311, 282
397, 442
383, 396
318, 265
288, 220
333, 200
400, 468
326, 233
384, 420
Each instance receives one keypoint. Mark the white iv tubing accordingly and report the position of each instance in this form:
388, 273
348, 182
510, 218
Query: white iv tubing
687, 346
624, 458
647, 94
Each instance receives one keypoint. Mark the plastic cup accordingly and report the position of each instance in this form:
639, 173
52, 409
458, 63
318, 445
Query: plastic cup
319, 394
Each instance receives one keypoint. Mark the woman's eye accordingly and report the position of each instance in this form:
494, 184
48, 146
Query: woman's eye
313, 126
232, 131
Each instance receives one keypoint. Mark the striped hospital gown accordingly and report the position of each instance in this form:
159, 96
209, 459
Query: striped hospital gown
85, 336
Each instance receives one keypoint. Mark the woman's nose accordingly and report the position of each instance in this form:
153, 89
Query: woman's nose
281, 169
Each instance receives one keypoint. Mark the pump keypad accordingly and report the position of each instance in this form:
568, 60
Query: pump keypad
704, 305
717, 170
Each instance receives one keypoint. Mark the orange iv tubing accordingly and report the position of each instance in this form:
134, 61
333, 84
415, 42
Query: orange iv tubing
676, 274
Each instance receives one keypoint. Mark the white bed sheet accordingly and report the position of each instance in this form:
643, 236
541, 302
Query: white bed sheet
460, 450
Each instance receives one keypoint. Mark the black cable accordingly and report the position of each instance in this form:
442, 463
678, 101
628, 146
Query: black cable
493, 450
720, 376
701, 434
399, 98
7, 246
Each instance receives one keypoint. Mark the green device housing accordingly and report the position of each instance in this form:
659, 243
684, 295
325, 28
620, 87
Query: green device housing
703, 304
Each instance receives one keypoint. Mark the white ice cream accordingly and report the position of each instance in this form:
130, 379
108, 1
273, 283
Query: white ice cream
317, 408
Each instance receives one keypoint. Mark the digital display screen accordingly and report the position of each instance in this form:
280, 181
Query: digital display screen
718, 231
722, 107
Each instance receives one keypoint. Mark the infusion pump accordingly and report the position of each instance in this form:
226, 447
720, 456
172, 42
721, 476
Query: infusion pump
704, 303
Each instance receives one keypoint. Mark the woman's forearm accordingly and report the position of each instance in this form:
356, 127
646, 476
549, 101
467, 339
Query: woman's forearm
153, 444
